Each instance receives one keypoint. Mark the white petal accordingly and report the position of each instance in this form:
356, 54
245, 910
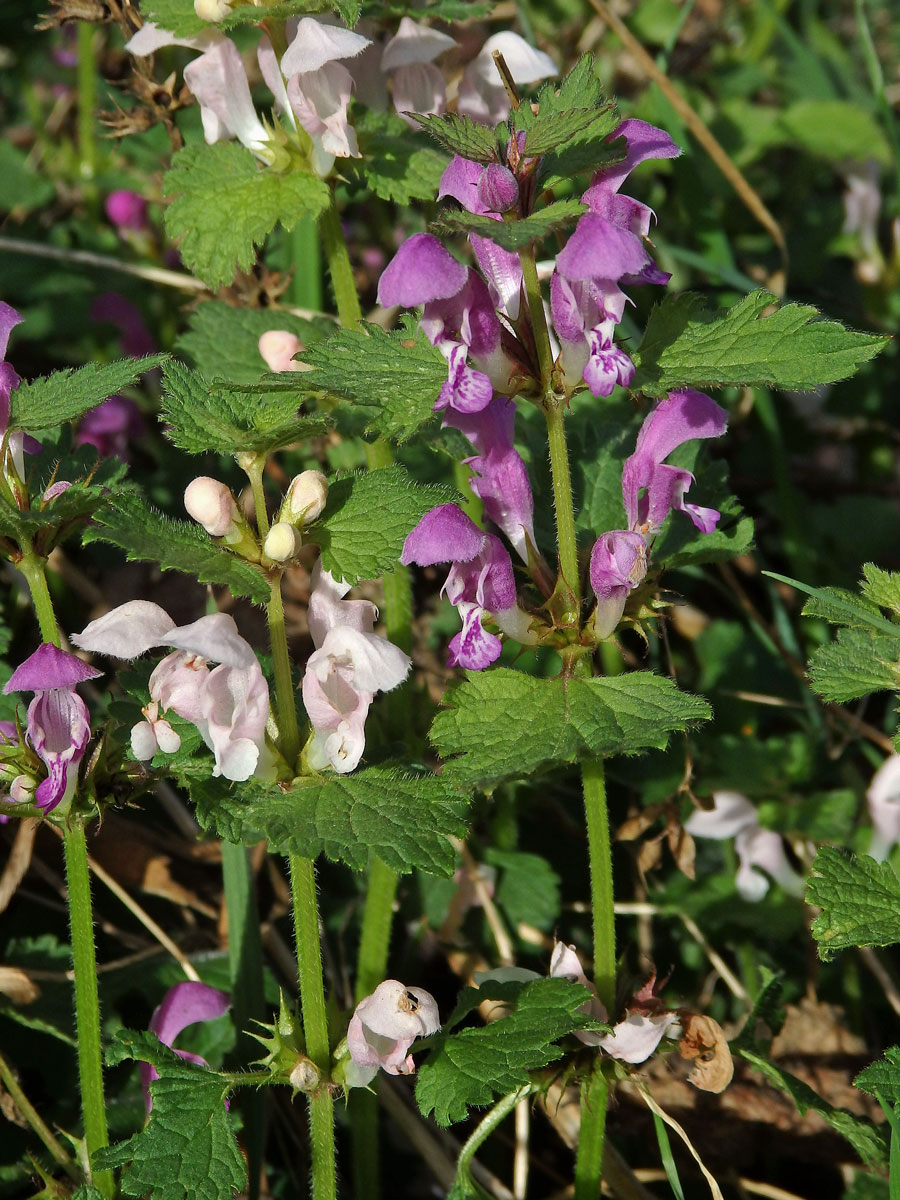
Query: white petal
526, 64
219, 81
378, 665
150, 38
634, 1039
271, 73
143, 741
316, 44
731, 813
414, 43
126, 631
214, 637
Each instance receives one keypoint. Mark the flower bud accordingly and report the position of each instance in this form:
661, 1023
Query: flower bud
278, 348
21, 790
282, 542
497, 188
127, 210
211, 10
211, 505
305, 499
305, 1075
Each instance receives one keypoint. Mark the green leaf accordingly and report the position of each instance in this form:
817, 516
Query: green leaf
856, 663
834, 130
504, 723
178, 16
767, 1011
147, 536
367, 518
63, 396
224, 341
528, 889
461, 136
551, 131
580, 89
881, 587
861, 1134
224, 204
187, 1150
687, 345
203, 416
405, 819
243, 14
396, 164
513, 235
882, 1077
399, 374
842, 607
349, 10
21, 188
859, 899
469, 1068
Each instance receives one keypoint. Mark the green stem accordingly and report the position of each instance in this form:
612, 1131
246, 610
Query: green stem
247, 999
254, 472
538, 317
306, 254
285, 707
87, 100
341, 272
589, 1161
562, 497
375, 938
315, 1024
33, 567
594, 1091
34, 1119
87, 1002
482, 1132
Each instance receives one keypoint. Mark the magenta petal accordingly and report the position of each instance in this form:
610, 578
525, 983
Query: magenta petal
618, 560
598, 249
677, 419
460, 180
183, 1005
445, 534
49, 667
421, 271
644, 141
9, 319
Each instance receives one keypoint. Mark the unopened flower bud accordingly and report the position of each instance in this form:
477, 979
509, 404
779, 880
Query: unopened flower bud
497, 188
21, 790
305, 1075
127, 209
282, 542
211, 10
305, 499
211, 505
278, 348
56, 489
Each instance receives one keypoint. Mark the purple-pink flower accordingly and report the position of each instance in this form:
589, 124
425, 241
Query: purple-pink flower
58, 725
127, 210
183, 1005
110, 427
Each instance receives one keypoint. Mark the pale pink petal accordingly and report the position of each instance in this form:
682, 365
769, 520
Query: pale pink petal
634, 1039
731, 812
126, 631
414, 43
219, 81
214, 637
883, 798
315, 45
418, 88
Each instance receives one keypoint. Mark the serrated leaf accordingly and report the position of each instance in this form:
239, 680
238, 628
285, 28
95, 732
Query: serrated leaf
881, 587
396, 164
503, 723
513, 235
687, 345
400, 374
842, 607
45, 403
243, 14
471, 1067
203, 416
405, 819
349, 10
178, 16
367, 518
860, 1133
859, 899
882, 1079
766, 1010
461, 136
551, 131
187, 1150
223, 341
856, 663
580, 89
146, 535
223, 204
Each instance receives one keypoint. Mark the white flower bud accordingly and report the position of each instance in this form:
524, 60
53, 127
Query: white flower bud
211, 10
211, 505
278, 348
305, 1075
21, 790
282, 542
306, 496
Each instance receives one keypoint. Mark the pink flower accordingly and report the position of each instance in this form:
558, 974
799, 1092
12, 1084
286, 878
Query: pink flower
127, 210
760, 851
883, 797
384, 1026
184, 1004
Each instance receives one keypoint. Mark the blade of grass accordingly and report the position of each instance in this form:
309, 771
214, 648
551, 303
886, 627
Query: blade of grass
665, 1154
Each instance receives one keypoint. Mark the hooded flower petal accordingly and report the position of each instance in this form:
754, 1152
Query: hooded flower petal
414, 43
9, 319
422, 270
219, 81
183, 1005
635, 1038
883, 797
482, 96
49, 668
126, 631
316, 44
385, 1024
643, 141
731, 812
444, 534
649, 488
618, 564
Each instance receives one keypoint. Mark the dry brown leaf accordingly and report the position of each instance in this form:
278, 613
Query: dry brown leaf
681, 845
633, 827
19, 860
649, 856
18, 985
704, 1041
